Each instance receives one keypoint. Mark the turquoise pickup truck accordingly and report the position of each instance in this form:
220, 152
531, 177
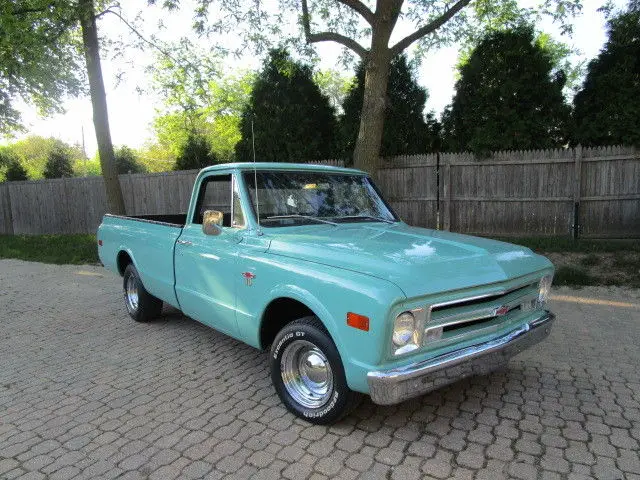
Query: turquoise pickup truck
311, 264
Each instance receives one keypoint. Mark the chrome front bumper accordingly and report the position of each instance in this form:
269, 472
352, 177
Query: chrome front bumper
388, 387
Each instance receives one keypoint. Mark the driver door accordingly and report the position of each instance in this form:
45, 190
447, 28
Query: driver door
206, 266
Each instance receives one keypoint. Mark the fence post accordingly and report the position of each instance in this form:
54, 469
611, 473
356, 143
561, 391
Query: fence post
446, 193
9, 215
577, 172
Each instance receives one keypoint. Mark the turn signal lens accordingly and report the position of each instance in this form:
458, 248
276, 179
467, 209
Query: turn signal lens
358, 321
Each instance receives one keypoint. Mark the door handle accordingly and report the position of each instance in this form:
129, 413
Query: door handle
184, 242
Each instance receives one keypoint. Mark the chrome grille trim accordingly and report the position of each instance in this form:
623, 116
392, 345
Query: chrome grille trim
483, 311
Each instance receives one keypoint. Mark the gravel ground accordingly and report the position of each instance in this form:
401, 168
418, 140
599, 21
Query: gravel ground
87, 393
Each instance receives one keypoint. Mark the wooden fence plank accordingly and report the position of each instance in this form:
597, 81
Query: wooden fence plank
6, 222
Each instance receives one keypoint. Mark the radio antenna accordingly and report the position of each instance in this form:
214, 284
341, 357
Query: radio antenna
255, 175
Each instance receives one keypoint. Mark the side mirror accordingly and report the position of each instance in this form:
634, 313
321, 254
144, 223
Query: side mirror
211, 222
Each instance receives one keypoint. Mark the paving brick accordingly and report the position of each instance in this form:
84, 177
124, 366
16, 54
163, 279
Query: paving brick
93, 395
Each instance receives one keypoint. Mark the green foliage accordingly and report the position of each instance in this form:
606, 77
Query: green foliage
33, 152
292, 120
507, 97
198, 100
58, 164
405, 129
7, 156
333, 85
40, 61
156, 158
87, 168
58, 249
127, 161
263, 27
195, 154
607, 109
15, 172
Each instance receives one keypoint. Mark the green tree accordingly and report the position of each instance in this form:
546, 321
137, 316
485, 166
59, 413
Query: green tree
156, 157
405, 130
198, 99
195, 154
33, 152
367, 31
7, 156
290, 119
15, 172
37, 39
127, 161
58, 164
607, 109
508, 97
333, 85
39, 62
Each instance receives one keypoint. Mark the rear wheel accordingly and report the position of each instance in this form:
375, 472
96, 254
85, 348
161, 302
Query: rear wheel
308, 375
141, 305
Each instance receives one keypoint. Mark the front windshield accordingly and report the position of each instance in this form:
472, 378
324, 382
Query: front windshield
289, 198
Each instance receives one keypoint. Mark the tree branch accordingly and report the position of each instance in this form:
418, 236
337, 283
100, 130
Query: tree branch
361, 8
140, 36
329, 36
428, 28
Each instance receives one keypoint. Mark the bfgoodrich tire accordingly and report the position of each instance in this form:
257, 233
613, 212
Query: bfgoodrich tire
141, 305
308, 375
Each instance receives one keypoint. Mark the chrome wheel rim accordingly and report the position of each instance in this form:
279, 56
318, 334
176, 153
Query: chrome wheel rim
131, 294
306, 373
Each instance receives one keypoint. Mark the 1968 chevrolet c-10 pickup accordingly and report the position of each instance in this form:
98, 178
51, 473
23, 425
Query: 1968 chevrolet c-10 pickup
315, 266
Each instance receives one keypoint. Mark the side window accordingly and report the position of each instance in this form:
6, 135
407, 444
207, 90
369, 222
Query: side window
216, 194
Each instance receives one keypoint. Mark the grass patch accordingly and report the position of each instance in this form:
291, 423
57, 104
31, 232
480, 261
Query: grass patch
573, 276
58, 249
567, 244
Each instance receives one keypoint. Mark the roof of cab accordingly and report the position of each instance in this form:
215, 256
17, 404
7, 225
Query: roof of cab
278, 166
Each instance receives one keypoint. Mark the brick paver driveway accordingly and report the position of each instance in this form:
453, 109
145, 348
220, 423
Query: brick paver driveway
86, 392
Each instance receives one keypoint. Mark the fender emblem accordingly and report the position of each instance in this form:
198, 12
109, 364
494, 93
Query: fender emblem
503, 310
248, 278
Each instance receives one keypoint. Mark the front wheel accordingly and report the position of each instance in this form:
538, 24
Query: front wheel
308, 375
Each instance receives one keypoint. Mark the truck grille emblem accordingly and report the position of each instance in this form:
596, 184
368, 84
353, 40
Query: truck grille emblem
502, 310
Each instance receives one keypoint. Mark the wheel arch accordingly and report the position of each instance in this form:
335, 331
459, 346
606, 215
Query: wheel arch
123, 259
287, 306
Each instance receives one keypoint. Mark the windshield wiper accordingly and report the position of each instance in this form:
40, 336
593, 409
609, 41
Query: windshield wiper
307, 217
379, 219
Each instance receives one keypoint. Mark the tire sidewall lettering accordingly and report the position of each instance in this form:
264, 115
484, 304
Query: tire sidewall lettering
284, 340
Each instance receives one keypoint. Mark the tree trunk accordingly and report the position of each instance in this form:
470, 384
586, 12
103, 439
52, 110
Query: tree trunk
367, 152
99, 103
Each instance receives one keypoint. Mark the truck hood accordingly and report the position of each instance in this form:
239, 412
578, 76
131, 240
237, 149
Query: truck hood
420, 261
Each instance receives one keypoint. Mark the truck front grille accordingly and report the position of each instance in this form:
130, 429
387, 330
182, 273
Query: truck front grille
457, 320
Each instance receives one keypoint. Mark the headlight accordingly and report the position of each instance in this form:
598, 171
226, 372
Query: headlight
543, 289
403, 329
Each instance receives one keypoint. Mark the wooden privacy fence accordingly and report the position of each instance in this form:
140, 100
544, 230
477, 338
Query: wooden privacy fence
590, 192
76, 205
